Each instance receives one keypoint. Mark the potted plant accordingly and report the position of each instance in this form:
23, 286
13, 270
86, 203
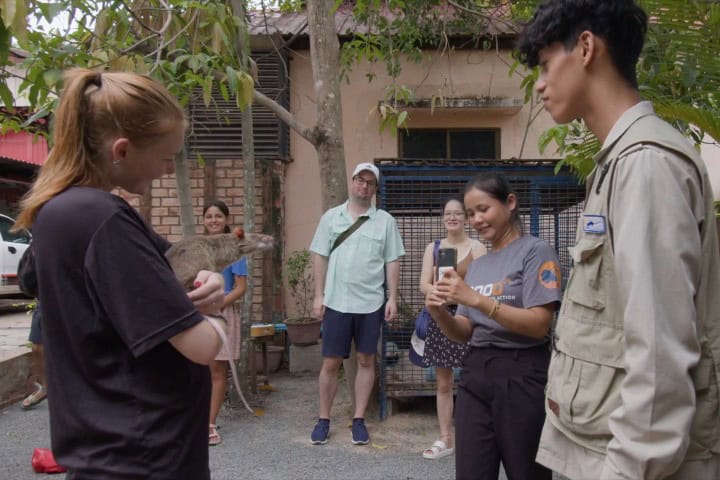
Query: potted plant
303, 329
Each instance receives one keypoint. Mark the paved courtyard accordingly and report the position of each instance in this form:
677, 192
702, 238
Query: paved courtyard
272, 445
275, 445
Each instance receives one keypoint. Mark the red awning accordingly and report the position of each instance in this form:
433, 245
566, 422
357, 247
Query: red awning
24, 147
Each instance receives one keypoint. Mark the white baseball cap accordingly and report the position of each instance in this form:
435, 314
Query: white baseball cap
369, 167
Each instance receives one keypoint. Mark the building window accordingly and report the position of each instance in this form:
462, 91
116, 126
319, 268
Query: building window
452, 144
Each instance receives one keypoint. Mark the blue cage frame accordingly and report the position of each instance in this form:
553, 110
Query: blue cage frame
412, 191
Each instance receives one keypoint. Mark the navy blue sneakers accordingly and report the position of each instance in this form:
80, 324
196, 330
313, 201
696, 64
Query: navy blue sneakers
321, 432
360, 434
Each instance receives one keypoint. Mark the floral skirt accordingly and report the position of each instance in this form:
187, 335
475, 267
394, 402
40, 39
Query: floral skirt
232, 315
440, 351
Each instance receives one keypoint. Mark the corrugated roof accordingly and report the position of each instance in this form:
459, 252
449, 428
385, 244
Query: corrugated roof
23, 147
272, 22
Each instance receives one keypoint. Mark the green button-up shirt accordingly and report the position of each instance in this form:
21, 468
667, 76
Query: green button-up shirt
356, 269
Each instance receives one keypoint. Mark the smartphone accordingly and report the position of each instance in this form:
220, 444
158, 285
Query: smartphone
447, 260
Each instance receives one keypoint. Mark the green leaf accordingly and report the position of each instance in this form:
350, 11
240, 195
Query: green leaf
401, 118
232, 78
8, 8
193, 63
180, 59
52, 77
4, 44
50, 10
6, 95
245, 93
224, 91
207, 86
19, 23
40, 113
545, 138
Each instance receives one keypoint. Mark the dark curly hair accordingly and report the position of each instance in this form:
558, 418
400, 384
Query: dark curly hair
622, 25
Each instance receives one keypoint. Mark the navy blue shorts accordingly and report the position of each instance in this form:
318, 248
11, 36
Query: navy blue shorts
339, 329
35, 327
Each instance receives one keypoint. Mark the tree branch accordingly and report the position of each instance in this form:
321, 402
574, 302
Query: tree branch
137, 18
285, 116
489, 18
164, 44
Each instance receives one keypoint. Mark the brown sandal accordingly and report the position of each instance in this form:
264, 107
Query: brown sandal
214, 437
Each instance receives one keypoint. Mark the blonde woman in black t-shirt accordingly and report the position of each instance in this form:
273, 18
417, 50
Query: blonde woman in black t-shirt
126, 347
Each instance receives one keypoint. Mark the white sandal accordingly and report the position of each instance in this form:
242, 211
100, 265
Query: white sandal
438, 450
213, 436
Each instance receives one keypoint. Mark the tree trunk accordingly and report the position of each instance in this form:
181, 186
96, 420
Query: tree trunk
328, 135
249, 226
184, 195
248, 148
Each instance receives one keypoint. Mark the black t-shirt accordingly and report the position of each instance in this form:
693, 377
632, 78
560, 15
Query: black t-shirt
124, 403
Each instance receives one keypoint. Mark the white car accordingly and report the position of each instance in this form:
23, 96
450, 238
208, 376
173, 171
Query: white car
12, 246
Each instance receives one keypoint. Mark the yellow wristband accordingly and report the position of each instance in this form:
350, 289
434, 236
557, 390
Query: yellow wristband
494, 310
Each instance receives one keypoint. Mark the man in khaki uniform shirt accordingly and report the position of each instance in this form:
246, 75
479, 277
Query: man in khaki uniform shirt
632, 387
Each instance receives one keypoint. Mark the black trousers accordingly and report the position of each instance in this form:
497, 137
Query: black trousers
499, 413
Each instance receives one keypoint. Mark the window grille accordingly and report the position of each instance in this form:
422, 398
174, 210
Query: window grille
216, 130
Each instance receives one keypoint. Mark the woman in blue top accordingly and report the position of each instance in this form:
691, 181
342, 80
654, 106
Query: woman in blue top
505, 308
215, 221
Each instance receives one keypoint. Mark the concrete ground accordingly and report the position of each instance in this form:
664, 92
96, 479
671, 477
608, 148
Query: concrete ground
14, 328
15, 360
275, 445
272, 445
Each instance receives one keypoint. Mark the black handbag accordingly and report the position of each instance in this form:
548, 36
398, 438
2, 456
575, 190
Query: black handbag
27, 273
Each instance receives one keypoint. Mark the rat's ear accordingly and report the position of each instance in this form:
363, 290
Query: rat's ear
239, 233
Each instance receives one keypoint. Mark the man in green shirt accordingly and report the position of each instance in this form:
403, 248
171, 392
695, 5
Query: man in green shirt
350, 293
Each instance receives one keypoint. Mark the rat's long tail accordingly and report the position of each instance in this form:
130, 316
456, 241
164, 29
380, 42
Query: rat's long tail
233, 369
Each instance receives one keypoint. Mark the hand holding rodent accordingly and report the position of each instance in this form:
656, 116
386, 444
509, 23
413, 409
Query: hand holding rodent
209, 292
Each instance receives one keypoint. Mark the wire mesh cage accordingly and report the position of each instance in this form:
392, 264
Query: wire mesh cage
413, 191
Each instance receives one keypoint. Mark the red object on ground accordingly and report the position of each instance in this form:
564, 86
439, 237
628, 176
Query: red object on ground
43, 461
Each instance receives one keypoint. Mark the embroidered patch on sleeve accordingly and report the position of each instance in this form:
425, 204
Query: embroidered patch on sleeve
549, 274
594, 224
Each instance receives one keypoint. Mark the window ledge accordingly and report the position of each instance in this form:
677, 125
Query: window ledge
495, 105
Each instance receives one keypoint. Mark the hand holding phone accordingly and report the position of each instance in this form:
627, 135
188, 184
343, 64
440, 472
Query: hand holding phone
447, 260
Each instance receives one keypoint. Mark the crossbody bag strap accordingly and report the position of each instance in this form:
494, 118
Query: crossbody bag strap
436, 249
344, 235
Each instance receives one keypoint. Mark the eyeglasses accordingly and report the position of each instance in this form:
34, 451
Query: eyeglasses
454, 213
362, 182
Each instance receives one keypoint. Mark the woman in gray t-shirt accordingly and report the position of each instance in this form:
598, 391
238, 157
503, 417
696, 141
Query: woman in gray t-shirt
506, 305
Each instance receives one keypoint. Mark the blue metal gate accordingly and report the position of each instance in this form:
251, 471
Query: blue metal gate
413, 192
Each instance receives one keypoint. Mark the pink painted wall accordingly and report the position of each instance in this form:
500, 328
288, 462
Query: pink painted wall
461, 74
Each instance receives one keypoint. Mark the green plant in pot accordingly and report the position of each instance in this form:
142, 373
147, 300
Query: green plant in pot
303, 329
